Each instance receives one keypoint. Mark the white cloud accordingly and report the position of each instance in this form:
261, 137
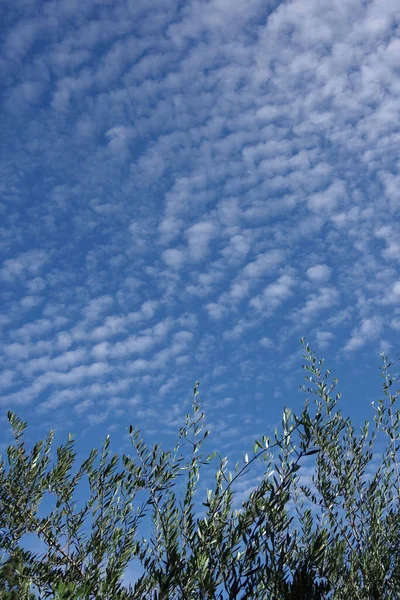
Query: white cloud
69, 379
193, 165
215, 310
168, 386
29, 302
170, 229
274, 294
322, 300
204, 283
114, 325
237, 248
392, 295
83, 406
39, 328
396, 323
97, 419
96, 307
240, 289
60, 363
173, 258
240, 328
36, 285
17, 350
198, 237
27, 263
328, 199
369, 330
7, 378
266, 342
318, 273
324, 338
263, 264
64, 340
119, 137
21, 38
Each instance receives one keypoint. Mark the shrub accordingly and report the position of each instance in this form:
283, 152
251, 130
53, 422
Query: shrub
335, 534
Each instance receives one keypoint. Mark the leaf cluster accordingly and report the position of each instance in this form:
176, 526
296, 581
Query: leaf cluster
322, 523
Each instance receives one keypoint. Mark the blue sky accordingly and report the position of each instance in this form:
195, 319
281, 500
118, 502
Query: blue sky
187, 188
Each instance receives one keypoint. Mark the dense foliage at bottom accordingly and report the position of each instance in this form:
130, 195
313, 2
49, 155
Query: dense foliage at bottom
322, 523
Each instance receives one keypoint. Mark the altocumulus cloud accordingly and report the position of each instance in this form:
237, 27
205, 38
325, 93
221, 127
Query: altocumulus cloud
186, 188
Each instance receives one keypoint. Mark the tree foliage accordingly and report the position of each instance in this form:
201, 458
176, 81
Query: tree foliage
323, 522
14, 579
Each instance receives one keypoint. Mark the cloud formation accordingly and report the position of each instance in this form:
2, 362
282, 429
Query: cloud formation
186, 189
